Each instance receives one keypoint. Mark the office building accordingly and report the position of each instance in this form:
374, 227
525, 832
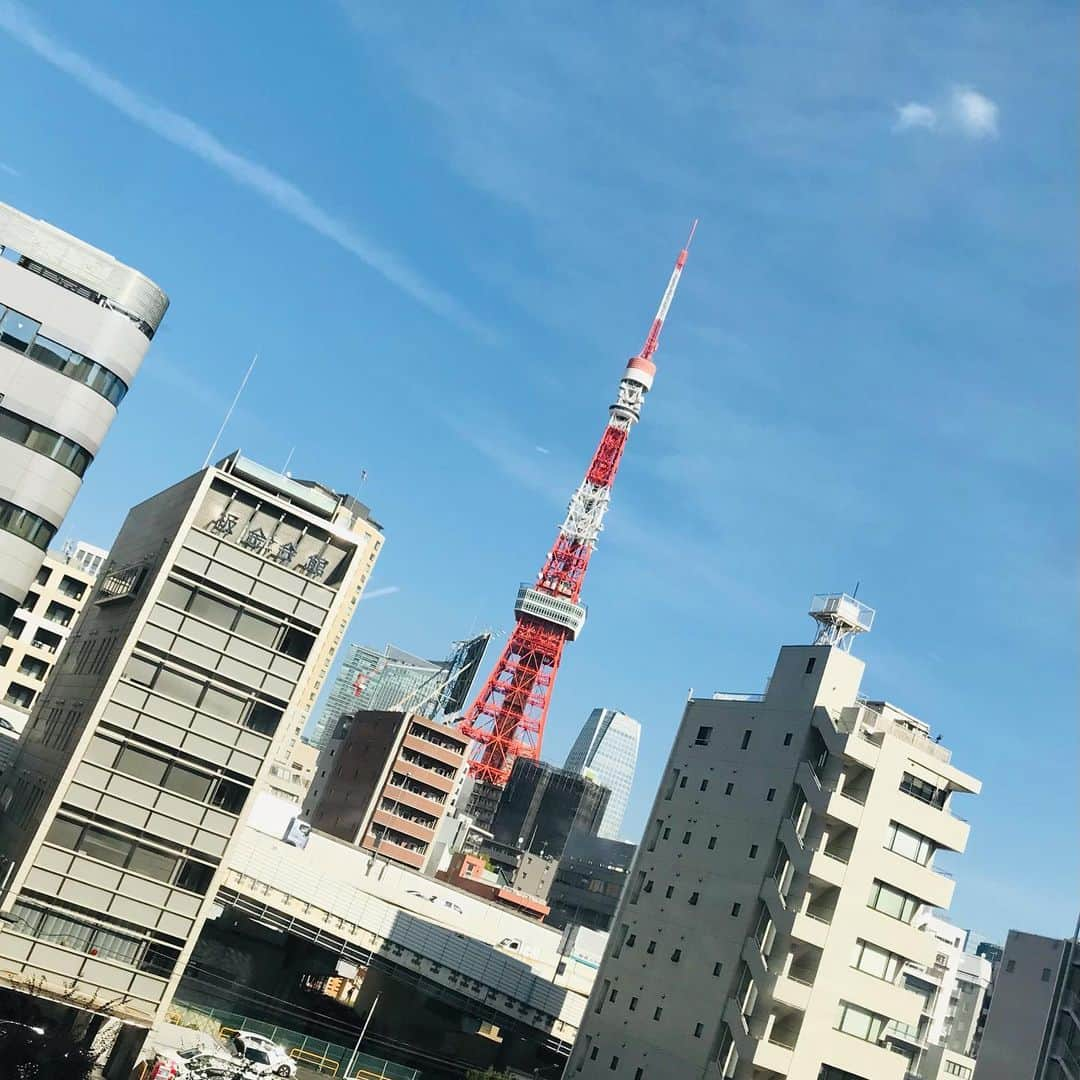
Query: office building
1033, 1030
771, 907
589, 881
35, 637
384, 782
290, 777
541, 805
206, 631
75, 325
394, 679
606, 751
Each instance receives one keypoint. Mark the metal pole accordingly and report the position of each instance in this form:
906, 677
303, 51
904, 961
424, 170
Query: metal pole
224, 423
360, 1037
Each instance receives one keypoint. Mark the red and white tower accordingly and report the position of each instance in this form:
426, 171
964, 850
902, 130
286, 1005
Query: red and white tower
507, 718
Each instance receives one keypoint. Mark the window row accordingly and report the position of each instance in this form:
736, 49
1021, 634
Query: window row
163, 772
20, 332
131, 855
198, 693
44, 441
71, 933
288, 640
26, 526
893, 902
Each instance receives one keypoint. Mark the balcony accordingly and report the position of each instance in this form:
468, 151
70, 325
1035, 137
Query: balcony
827, 868
810, 928
415, 829
414, 799
807, 778
925, 882
792, 992
939, 824
432, 749
844, 808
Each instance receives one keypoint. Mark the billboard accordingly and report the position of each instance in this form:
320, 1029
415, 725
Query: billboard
464, 665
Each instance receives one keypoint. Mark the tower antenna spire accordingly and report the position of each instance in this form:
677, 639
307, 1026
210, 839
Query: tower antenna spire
506, 721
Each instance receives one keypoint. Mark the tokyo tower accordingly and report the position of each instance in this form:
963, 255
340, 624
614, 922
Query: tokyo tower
507, 718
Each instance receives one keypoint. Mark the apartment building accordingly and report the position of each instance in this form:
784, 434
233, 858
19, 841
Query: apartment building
203, 638
770, 912
1033, 1029
75, 325
290, 776
31, 647
385, 781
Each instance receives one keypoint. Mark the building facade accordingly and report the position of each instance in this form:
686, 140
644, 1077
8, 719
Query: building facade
770, 910
1033, 1029
75, 325
589, 881
606, 751
542, 805
291, 775
384, 782
205, 634
34, 640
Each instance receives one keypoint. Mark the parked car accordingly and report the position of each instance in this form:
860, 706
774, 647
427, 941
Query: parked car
263, 1052
208, 1065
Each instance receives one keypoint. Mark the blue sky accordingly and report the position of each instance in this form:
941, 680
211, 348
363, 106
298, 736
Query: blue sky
444, 233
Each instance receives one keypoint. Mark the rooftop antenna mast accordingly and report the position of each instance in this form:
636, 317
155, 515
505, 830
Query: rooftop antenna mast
228, 415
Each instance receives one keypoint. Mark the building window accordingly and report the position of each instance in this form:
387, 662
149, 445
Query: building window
716, 969
860, 1023
787, 739
704, 784
770, 794
693, 899
26, 526
954, 1068
649, 885
698, 1029
614, 1063
753, 851
875, 961
630, 939
651, 948
1045, 974
909, 844
19, 695
746, 739
595, 1051
729, 789
633, 1004
676, 956
1010, 966
810, 665
712, 842
686, 838
613, 995
682, 782
736, 908
44, 441
893, 902
658, 1012
669, 891
639, 1074
704, 735
665, 834
17, 330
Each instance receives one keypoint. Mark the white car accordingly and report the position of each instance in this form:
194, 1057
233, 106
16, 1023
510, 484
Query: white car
264, 1053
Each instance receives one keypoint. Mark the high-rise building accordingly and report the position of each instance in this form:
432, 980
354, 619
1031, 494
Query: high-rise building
74, 327
384, 782
606, 751
542, 805
589, 880
31, 648
771, 908
395, 679
207, 632
1033, 1030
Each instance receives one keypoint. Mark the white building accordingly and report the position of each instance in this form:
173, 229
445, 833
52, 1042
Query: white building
75, 325
207, 634
35, 636
770, 912
606, 751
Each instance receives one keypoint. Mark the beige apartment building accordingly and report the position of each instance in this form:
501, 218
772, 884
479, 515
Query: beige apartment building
31, 646
208, 629
769, 916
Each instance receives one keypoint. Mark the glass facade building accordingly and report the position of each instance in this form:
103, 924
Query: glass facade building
606, 751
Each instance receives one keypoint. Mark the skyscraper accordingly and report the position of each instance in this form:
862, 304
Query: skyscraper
74, 327
772, 905
209, 627
606, 751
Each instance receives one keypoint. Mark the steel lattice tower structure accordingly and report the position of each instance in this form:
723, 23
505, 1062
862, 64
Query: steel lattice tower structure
507, 718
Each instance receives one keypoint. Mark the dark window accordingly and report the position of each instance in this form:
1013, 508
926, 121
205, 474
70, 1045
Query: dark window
676, 956
658, 1012
668, 891
1010, 965
296, 643
263, 718
26, 526
229, 796
729, 789
630, 939
44, 441
736, 908
704, 784
753, 851
651, 948
693, 899
682, 782
43, 576
704, 734
686, 838
665, 834
639, 1074
712, 842
614, 1063
746, 739
648, 885
613, 995
717, 968
633, 1004
595, 1051
17, 331
698, 1029
770, 794
810, 665
194, 876
141, 765
787, 739
1045, 974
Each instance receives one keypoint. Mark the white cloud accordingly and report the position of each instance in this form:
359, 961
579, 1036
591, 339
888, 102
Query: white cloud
375, 594
974, 113
6, 168
541, 449
275, 189
915, 115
